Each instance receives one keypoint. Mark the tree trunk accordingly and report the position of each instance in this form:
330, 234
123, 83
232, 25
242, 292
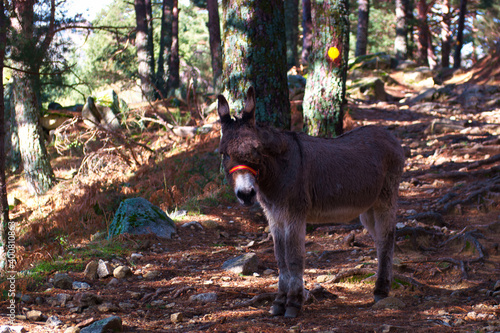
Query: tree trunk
173, 63
292, 32
306, 31
165, 46
401, 40
28, 52
215, 41
457, 59
13, 158
144, 56
446, 34
37, 170
324, 98
150, 45
254, 54
362, 33
410, 23
423, 33
4, 206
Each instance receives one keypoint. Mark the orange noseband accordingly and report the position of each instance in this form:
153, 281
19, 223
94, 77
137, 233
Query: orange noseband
243, 167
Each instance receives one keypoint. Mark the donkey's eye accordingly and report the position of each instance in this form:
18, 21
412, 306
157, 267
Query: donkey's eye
225, 157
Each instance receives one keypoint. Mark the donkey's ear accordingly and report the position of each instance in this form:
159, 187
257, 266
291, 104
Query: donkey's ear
223, 109
249, 111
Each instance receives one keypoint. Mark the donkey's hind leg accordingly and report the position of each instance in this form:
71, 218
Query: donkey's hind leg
381, 225
295, 259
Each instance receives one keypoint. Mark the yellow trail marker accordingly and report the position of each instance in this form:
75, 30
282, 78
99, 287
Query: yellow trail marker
333, 53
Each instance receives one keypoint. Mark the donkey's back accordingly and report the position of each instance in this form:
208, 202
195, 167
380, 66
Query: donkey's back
345, 176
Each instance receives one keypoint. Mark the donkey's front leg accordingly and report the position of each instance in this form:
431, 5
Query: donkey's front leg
278, 232
295, 258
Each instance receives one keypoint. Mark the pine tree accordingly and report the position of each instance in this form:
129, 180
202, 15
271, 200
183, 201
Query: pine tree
215, 41
292, 32
254, 54
362, 32
324, 97
143, 43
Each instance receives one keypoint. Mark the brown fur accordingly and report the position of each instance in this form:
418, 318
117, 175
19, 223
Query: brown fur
303, 179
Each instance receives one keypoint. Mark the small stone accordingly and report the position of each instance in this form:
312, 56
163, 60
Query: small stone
12, 329
210, 224
107, 307
204, 298
90, 271
269, 272
389, 303
193, 225
245, 264
136, 256
53, 321
104, 269
62, 299
113, 282
324, 278
72, 329
34, 315
26, 299
112, 324
77, 285
126, 305
63, 281
122, 272
87, 299
158, 302
176, 317
151, 275
39, 300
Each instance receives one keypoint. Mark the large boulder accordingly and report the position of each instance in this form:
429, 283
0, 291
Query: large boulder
138, 216
370, 88
379, 60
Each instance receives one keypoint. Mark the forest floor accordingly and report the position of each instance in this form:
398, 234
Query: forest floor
447, 257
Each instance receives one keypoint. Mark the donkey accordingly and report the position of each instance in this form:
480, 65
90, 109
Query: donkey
299, 179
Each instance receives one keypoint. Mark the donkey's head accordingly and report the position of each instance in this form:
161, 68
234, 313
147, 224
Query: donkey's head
241, 148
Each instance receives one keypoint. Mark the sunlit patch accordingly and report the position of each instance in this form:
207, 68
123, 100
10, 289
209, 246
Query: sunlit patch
333, 52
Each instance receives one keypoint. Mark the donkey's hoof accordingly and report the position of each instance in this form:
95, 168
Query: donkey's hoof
277, 310
292, 312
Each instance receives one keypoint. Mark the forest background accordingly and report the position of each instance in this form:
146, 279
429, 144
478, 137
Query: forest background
165, 61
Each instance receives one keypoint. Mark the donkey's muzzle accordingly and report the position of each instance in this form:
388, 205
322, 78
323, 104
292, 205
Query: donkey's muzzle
246, 197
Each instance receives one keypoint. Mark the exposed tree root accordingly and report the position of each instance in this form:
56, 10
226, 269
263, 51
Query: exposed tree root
415, 232
256, 301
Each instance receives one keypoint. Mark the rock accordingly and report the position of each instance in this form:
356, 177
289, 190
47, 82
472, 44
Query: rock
86, 299
113, 282
63, 281
193, 225
204, 298
497, 286
77, 285
425, 96
26, 299
138, 216
34, 315
370, 88
151, 275
103, 109
296, 87
379, 60
245, 264
12, 329
72, 329
113, 324
406, 64
51, 121
104, 269
122, 272
53, 321
107, 307
176, 317
136, 256
90, 271
126, 305
324, 278
62, 299
389, 303
210, 224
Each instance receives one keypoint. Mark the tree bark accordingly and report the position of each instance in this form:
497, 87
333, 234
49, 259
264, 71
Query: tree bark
215, 41
165, 46
423, 33
292, 32
446, 34
173, 63
410, 21
4, 206
144, 57
457, 59
254, 54
401, 40
324, 98
306, 31
362, 33
28, 52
